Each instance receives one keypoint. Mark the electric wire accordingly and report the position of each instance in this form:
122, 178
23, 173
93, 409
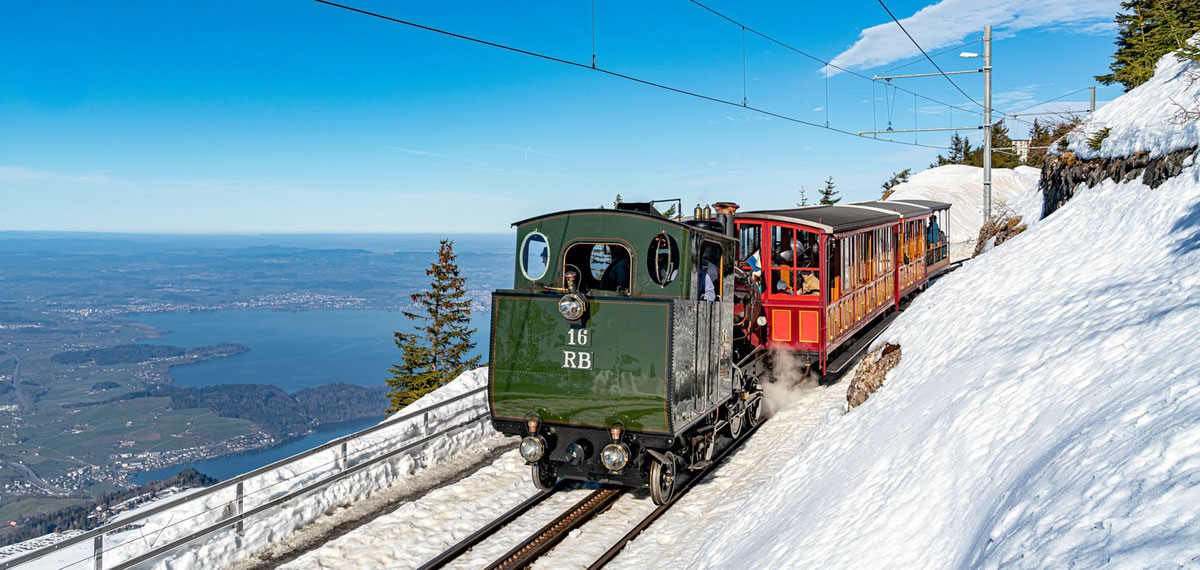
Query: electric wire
935, 65
1050, 100
616, 74
943, 52
813, 57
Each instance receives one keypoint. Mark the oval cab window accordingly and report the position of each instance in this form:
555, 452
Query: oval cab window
663, 259
535, 256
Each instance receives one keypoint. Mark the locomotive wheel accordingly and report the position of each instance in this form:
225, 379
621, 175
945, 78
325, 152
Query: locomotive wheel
754, 412
543, 478
735, 424
662, 480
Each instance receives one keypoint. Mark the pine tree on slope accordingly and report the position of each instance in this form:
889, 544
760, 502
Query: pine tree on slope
829, 196
436, 352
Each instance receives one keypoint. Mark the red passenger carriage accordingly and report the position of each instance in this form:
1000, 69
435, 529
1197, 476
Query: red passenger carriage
826, 273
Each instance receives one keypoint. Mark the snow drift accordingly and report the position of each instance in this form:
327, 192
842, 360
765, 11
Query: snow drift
1044, 414
962, 186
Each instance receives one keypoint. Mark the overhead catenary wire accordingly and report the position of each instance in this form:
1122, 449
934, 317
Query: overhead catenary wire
1051, 100
612, 73
943, 52
828, 64
922, 50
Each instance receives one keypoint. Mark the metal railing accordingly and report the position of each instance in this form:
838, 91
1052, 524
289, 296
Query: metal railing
234, 512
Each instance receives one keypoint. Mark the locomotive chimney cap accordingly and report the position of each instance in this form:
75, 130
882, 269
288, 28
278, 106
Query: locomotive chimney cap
726, 207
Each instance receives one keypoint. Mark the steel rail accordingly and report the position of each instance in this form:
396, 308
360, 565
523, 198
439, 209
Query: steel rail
489, 529
547, 537
645, 523
292, 495
232, 482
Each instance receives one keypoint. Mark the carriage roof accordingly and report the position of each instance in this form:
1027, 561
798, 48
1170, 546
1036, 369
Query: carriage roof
840, 218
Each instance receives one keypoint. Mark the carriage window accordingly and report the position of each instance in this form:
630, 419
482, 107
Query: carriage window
794, 262
600, 266
750, 241
535, 256
662, 260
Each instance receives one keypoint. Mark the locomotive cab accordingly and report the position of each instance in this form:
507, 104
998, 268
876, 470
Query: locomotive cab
612, 354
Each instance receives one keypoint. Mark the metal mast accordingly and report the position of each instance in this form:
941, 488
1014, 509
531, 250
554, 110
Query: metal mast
987, 124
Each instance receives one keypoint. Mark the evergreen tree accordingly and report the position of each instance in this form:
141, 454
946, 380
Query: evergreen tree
960, 150
671, 212
803, 197
829, 196
1000, 159
1147, 30
436, 351
1044, 134
896, 179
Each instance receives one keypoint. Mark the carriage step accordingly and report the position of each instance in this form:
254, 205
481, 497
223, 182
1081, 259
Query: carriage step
701, 465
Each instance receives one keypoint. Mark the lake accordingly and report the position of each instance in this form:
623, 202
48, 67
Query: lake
291, 350
223, 468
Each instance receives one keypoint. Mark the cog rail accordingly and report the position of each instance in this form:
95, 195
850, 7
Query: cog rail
489, 529
662, 509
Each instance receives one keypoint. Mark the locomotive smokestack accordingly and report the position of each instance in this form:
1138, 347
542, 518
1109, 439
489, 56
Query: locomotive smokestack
725, 214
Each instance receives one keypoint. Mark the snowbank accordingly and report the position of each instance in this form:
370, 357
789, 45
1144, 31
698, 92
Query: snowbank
962, 186
224, 547
1144, 119
1044, 414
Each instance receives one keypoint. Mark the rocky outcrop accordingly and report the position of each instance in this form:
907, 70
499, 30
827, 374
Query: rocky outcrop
1063, 173
1002, 229
868, 377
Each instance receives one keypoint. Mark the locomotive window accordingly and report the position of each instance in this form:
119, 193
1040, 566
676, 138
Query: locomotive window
535, 256
662, 260
601, 266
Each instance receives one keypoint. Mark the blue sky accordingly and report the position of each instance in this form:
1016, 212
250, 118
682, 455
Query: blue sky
272, 116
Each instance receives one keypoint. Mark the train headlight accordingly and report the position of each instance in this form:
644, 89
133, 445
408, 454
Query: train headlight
614, 456
533, 448
572, 306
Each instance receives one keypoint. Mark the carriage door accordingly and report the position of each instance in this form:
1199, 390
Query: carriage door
710, 280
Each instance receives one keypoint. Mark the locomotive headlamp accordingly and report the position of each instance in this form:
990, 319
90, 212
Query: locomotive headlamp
614, 456
533, 448
572, 306
762, 321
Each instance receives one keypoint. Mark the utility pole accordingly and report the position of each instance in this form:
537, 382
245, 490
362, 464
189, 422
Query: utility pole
987, 124
1092, 107
986, 127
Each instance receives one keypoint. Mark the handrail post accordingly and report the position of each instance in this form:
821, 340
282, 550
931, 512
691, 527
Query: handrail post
240, 509
98, 552
345, 456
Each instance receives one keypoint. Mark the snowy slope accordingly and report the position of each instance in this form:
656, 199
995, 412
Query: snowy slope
1045, 413
962, 186
1145, 118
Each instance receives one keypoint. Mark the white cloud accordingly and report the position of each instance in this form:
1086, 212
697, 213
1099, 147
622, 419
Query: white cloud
950, 21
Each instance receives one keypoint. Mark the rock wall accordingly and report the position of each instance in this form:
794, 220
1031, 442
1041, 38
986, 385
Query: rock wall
1063, 173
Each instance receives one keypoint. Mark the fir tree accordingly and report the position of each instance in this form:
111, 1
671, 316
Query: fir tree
436, 352
896, 179
803, 197
960, 149
1000, 159
829, 196
1147, 30
1044, 134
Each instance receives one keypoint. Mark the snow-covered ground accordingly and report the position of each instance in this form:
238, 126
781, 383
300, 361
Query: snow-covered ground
1045, 413
1146, 118
962, 186
420, 530
224, 548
